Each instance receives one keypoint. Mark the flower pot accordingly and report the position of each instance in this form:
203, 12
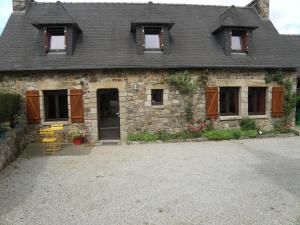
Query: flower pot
78, 141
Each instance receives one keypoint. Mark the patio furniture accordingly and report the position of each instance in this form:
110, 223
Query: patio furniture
50, 139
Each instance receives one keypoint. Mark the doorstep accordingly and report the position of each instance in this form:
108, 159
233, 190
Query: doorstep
108, 142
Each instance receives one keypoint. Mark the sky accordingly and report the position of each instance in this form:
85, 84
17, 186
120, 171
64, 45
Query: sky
284, 14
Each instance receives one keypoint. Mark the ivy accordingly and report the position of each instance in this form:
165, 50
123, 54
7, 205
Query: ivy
291, 98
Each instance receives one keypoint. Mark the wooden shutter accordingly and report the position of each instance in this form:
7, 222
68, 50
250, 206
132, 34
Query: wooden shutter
245, 41
66, 38
277, 101
161, 39
143, 38
47, 40
211, 95
77, 110
33, 107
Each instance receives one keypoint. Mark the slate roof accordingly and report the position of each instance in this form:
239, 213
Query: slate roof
106, 41
237, 18
294, 41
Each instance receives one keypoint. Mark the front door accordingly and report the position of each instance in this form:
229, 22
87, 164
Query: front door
108, 114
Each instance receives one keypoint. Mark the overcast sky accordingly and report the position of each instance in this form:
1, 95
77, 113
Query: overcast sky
284, 14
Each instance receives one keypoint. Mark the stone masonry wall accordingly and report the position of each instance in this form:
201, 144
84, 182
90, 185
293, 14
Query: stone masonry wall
136, 112
12, 145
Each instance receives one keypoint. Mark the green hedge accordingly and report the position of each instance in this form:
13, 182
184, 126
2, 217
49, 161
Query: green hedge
218, 135
163, 136
9, 106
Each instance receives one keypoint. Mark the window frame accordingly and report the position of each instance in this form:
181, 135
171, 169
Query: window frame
154, 103
255, 101
48, 36
228, 103
244, 41
56, 93
160, 35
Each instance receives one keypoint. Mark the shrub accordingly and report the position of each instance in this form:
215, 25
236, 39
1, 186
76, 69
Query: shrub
229, 134
248, 124
249, 133
143, 137
9, 107
222, 134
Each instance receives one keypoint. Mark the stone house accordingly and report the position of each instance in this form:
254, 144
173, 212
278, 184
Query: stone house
104, 65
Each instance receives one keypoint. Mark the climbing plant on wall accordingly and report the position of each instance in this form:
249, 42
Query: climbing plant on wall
291, 98
187, 88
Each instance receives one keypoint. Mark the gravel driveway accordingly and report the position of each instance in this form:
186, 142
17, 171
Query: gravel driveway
247, 182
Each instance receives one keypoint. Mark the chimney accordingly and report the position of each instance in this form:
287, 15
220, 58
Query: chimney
262, 7
20, 5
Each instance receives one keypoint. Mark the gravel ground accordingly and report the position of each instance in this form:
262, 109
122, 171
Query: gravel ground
246, 182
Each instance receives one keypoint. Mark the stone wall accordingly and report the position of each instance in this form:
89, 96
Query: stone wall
136, 112
12, 145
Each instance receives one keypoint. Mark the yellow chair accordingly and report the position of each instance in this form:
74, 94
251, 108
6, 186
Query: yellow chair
50, 140
59, 129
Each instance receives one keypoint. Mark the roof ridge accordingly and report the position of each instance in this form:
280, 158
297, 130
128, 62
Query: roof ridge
144, 3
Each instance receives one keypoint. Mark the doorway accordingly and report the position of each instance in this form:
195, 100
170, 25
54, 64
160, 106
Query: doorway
108, 114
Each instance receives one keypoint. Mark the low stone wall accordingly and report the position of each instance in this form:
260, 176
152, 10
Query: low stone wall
12, 145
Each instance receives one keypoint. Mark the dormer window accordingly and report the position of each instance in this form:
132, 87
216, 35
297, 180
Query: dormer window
153, 38
55, 39
239, 41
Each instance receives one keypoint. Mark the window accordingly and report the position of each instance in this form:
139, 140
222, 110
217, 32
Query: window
157, 96
56, 105
153, 38
229, 101
239, 41
55, 39
256, 101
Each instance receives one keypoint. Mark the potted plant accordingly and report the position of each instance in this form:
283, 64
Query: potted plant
78, 134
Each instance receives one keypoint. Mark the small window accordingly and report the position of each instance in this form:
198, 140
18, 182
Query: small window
157, 96
229, 101
239, 41
56, 105
256, 101
153, 38
55, 39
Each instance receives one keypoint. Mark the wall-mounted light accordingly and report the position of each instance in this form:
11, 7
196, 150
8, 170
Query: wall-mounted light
135, 87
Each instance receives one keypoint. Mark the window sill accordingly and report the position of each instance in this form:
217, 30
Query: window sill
153, 51
235, 52
157, 106
64, 122
225, 118
57, 53
258, 117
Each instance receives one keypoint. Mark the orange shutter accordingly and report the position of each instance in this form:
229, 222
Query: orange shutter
47, 41
245, 42
211, 94
33, 107
161, 37
277, 101
77, 110
143, 38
